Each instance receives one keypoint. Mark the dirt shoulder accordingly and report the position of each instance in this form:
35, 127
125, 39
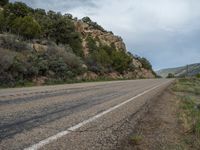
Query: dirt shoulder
172, 122
159, 129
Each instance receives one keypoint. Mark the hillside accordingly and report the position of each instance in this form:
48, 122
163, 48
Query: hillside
41, 47
190, 70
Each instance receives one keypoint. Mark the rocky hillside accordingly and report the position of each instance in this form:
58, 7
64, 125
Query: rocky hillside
41, 47
190, 70
95, 36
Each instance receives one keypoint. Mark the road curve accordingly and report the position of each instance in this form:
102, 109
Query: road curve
76, 116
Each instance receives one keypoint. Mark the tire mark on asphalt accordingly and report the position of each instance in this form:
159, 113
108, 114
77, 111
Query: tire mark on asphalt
47, 94
19, 125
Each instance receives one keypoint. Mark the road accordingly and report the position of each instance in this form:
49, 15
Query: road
76, 116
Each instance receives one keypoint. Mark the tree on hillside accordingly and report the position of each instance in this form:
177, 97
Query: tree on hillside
68, 16
121, 61
2, 19
86, 20
60, 31
18, 9
4, 2
27, 27
145, 63
42, 12
170, 75
198, 75
103, 58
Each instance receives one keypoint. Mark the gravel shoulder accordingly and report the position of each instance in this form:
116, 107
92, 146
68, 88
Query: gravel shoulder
159, 129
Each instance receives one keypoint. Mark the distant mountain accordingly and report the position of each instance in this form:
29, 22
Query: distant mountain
190, 70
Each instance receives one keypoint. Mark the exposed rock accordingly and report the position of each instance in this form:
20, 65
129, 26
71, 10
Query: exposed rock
39, 48
144, 73
88, 76
137, 64
85, 48
84, 66
115, 75
40, 80
106, 38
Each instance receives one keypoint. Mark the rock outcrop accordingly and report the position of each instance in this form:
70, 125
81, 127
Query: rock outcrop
109, 39
106, 38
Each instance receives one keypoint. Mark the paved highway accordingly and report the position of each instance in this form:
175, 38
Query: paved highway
73, 117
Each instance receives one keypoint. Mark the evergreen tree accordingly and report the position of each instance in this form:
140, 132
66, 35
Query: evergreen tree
3, 2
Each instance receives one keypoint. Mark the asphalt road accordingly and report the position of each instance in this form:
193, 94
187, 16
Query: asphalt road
76, 116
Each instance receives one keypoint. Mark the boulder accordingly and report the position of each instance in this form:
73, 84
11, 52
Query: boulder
40, 48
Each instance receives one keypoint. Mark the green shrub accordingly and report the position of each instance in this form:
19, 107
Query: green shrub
145, 63
170, 75
198, 75
91, 43
2, 22
3, 2
11, 42
136, 140
18, 9
121, 61
27, 26
93, 24
7, 59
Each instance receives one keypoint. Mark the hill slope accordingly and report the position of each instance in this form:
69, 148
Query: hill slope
39, 47
190, 70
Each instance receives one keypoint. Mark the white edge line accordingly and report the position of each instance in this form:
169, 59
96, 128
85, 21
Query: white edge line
79, 125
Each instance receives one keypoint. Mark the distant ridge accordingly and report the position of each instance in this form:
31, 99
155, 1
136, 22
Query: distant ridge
190, 70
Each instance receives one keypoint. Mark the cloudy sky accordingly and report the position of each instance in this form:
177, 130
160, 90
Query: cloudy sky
167, 32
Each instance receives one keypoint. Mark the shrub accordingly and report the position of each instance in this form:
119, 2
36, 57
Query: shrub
136, 140
68, 57
145, 63
11, 42
3, 2
91, 43
2, 20
93, 24
59, 67
102, 58
18, 9
27, 27
86, 20
121, 61
170, 75
7, 59
198, 75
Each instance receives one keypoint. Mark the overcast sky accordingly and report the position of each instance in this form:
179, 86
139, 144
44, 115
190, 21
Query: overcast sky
167, 32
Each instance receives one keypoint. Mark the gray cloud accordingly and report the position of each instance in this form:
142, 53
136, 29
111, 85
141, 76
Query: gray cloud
167, 32
58, 5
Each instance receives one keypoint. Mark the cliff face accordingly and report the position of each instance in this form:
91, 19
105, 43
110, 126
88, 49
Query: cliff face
106, 38
109, 39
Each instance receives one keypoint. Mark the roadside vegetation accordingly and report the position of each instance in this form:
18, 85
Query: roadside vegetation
172, 121
188, 90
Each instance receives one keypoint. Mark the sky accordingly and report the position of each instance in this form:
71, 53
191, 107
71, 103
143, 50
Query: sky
166, 32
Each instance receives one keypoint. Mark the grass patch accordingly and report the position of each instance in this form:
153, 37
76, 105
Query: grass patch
188, 91
188, 85
136, 140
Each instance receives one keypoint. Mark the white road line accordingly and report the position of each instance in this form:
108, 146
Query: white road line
73, 128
